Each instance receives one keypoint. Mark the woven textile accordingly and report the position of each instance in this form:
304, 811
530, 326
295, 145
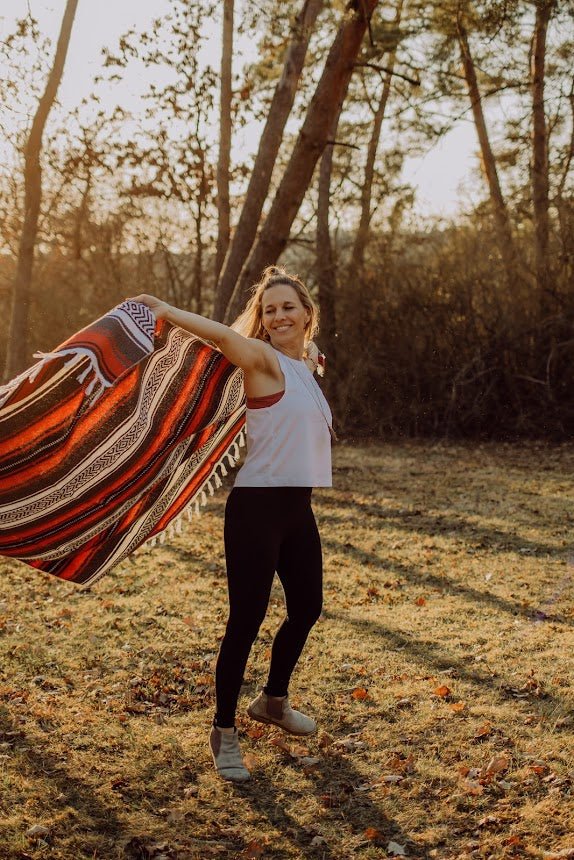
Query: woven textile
108, 440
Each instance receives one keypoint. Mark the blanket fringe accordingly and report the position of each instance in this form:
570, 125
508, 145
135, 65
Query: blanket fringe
200, 498
97, 385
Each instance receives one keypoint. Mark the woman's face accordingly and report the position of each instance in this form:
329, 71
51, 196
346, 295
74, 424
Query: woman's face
283, 314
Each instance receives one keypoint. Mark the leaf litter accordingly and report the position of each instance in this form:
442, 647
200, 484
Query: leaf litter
106, 696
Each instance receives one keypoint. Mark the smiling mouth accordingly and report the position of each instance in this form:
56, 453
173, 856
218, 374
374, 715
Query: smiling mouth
282, 327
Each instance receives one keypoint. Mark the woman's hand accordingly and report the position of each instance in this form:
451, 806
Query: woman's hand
160, 309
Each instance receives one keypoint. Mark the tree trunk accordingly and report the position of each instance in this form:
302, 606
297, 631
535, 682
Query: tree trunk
199, 238
500, 211
325, 105
271, 139
17, 351
540, 152
223, 206
326, 269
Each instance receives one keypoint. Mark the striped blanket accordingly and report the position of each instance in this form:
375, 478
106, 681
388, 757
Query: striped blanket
108, 440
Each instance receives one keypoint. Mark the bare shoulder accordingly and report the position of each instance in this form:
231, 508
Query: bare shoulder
266, 358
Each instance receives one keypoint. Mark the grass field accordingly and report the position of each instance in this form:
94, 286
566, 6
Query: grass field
441, 675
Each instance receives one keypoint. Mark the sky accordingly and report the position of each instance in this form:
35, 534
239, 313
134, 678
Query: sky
442, 177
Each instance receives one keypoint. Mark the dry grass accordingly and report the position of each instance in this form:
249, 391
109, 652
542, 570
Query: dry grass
441, 673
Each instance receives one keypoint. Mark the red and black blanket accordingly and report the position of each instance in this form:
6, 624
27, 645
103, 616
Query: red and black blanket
108, 440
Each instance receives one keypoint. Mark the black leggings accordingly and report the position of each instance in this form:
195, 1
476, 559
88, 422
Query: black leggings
267, 529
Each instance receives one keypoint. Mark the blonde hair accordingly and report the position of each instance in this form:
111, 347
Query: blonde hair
249, 323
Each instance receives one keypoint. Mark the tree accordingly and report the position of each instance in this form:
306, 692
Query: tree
223, 205
269, 144
313, 136
500, 212
326, 267
540, 195
17, 352
169, 162
362, 234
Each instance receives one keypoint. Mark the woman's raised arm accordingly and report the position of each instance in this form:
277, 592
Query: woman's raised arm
246, 353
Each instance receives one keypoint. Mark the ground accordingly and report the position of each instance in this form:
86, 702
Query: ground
441, 675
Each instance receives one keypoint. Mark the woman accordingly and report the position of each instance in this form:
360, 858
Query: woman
269, 523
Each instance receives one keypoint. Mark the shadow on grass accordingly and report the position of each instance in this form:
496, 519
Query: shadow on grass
422, 579
337, 789
434, 659
94, 818
423, 524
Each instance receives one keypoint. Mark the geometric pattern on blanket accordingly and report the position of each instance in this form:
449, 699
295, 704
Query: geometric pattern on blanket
108, 440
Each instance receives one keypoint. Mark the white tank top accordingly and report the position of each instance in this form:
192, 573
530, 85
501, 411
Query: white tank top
289, 443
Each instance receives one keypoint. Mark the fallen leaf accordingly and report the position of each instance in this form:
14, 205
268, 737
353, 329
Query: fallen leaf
255, 732
360, 693
401, 763
396, 850
497, 764
250, 761
470, 786
457, 707
488, 820
512, 840
38, 831
484, 731
372, 834
442, 691
420, 601
253, 850
282, 744
309, 762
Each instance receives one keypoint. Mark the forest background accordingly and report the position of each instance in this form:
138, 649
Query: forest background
431, 327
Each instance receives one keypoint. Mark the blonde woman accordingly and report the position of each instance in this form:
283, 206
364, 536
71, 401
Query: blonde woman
269, 522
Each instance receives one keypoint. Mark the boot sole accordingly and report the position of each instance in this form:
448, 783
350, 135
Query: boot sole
268, 721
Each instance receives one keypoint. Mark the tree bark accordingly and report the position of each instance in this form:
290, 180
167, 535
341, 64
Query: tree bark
325, 105
199, 237
501, 217
223, 205
540, 193
271, 139
17, 351
326, 269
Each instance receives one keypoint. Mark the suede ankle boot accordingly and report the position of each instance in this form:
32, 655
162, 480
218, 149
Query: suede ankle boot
277, 711
226, 755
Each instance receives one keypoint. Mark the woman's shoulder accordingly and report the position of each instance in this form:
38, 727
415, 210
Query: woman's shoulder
268, 356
